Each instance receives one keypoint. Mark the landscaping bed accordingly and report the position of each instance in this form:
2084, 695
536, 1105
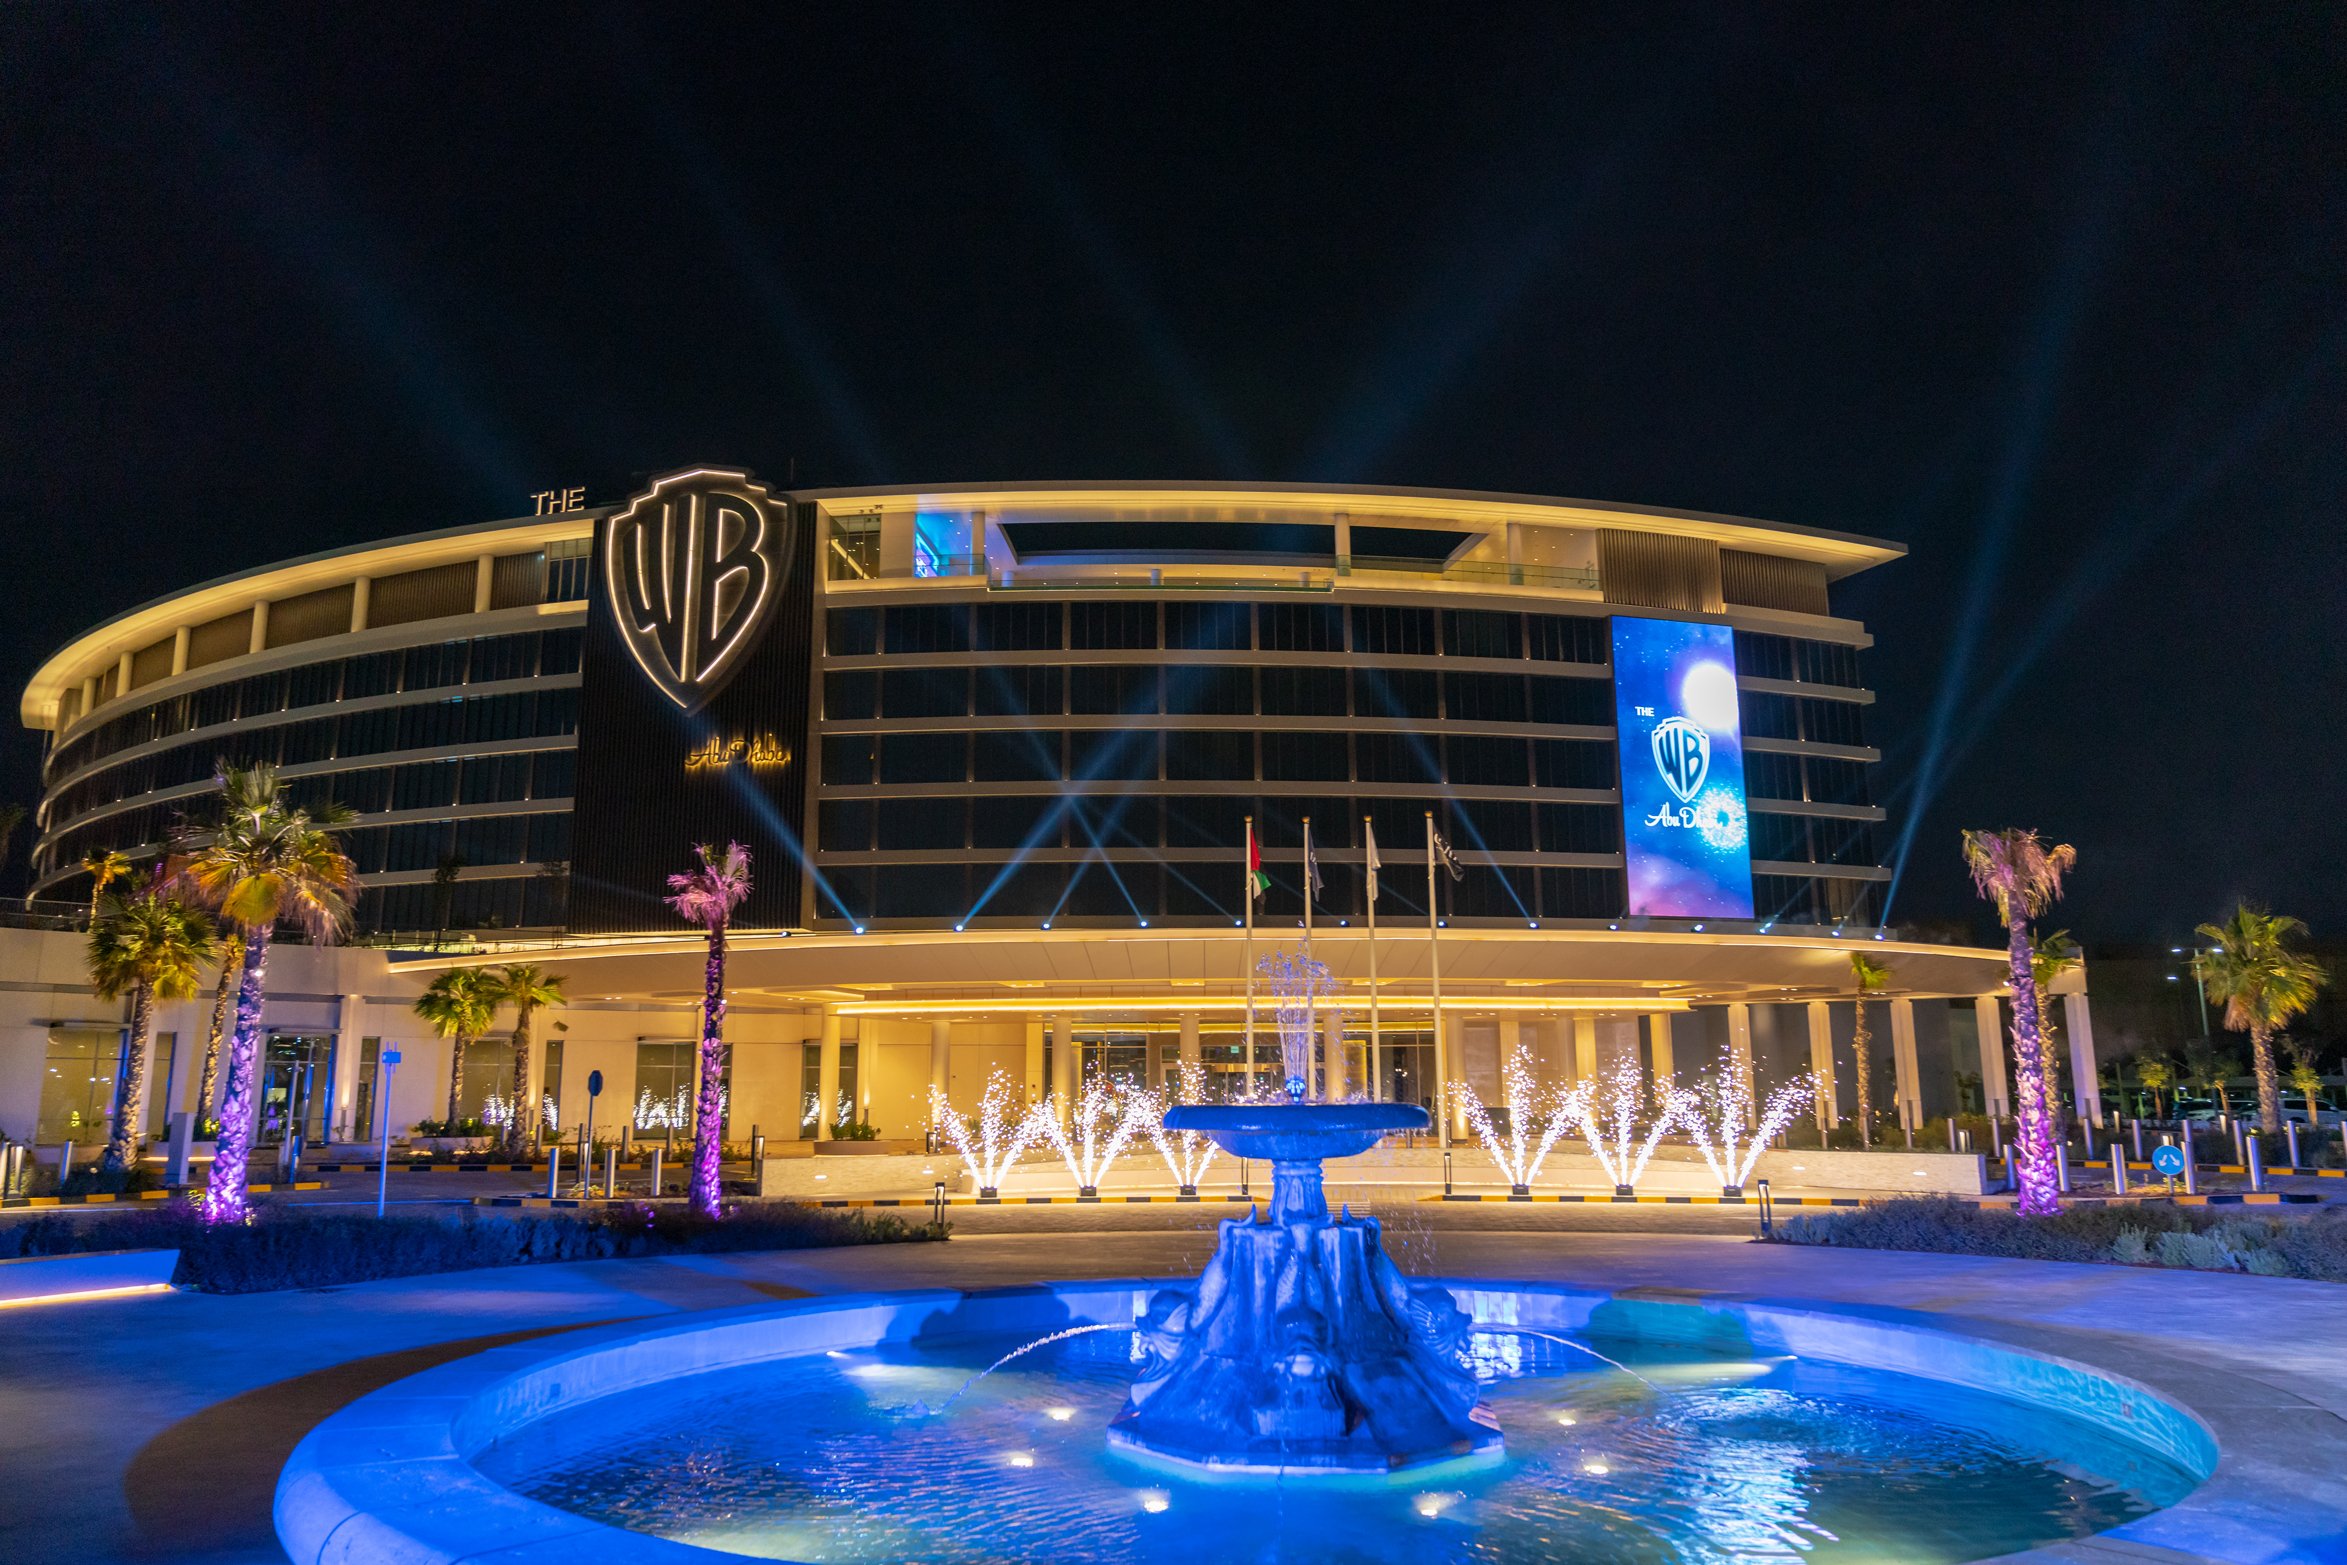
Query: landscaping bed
290, 1248
2313, 1246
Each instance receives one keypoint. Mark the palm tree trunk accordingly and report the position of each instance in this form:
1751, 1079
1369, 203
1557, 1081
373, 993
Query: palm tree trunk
2269, 1078
224, 1199
521, 1128
456, 1076
231, 967
122, 1142
1862, 1062
709, 1115
2033, 1135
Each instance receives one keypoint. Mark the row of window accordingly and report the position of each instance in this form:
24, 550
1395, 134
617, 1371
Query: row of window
526, 901
1140, 690
1824, 899
475, 660
1792, 657
428, 785
1804, 839
954, 893
1215, 755
1029, 821
1768, 716
423, 725
1128, 625
473, 840
1814, 779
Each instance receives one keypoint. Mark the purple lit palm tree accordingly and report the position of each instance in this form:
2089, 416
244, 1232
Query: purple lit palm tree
2022, 877
707, 896
265, 863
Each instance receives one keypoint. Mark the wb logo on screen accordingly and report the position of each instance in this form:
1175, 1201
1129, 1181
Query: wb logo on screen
1682, 753
694, 566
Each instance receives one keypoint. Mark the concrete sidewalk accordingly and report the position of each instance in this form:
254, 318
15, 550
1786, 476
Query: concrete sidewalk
154, 1428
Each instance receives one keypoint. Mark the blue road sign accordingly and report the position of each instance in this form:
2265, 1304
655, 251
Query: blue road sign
2168, 1159
594, 1084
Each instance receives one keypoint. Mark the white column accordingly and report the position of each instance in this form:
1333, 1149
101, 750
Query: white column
122, 675
1909, 1086
346, 1065
941, 1058
1064, 1075
362, 596
1034, 1064
2085, 1087
1584, 1046
484, 572
1335, 1080
827, 1072
1658, 1044
1190, 1054
1511, 1038
260, 637
1821, 1064
179, 645
1740, 1053
1989, 1018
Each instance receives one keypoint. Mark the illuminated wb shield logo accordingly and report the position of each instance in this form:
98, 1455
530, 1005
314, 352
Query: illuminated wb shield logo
1682, 753
694, 566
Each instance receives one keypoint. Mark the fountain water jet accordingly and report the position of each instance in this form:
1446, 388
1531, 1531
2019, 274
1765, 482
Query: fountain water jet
1103, 1122
999, 1141
1608, 1116
1520, 1152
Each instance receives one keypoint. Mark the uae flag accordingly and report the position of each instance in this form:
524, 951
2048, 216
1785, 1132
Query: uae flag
1257, 882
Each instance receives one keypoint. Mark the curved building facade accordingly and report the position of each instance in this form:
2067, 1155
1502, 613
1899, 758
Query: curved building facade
998, 751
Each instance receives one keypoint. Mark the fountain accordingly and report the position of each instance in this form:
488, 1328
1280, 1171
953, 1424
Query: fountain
1302, 1349
1186, 1152
1723, 1125
1004, 1131
1536, 1120
1608, 1115
1096, 1131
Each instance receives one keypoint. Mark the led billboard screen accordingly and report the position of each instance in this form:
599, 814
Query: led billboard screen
1684, 832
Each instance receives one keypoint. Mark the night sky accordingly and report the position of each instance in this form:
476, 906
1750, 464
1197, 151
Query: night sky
2055, 298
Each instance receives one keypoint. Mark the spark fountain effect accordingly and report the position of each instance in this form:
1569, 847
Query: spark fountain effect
1100, 1125
1298, 983
1718, 1125
1608, 1110
1186, 1152
1003, 1132
1537, 1117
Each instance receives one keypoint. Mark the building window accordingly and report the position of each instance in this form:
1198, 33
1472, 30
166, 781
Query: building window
365, 1096
77, 1084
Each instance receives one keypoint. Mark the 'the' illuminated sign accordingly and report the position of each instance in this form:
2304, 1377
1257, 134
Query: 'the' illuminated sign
693, 567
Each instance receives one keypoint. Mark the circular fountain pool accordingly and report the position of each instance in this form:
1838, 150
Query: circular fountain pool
833, 1431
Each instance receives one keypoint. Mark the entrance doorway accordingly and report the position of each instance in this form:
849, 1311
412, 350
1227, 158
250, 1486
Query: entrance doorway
297, 1086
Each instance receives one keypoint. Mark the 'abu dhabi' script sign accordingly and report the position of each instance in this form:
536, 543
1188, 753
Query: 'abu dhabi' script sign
694, 567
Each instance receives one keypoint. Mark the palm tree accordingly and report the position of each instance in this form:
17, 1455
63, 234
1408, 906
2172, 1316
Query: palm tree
2021, 877
266, 862
2305, 1079
526, 987
2209, 1068
2050, 956
151, 946
104, 869
2156, 1076
707, 896
1870, 976
231, 953
460, 1004
2263, 985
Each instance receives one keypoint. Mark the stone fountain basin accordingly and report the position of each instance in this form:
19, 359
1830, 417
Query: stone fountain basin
390, 1476
1296, 1132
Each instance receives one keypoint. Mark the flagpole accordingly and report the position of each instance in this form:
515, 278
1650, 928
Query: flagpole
1442, 1064
1369, 884
1247, 895
1311, 1005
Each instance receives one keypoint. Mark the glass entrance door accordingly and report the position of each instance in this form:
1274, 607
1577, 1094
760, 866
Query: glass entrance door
297, 1084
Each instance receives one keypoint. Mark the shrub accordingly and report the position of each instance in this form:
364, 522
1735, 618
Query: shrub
855, 1130
2312, 1245
290, 1247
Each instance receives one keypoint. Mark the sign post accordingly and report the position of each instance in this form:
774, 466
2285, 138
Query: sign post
587, 1152
2167, 1160
383, 1107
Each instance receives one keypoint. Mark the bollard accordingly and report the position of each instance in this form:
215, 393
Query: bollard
2137, 1125
2191, 1160
937, 1202
1964, 1141
64, 1164
1996, 1138
1952, 1133
2290, 1129
1768, 1211
2257, 1163
553, 1170
2118, 1169
2062, 1166
610, 1171
2086, 1134
658, 1156
2240, 1150
182, 1143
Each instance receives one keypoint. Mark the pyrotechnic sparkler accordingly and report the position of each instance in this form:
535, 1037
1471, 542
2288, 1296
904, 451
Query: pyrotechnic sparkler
1102, 1122
1186, 1152
1004, 1131
1607, 1110
1536, 1118
1719, 1130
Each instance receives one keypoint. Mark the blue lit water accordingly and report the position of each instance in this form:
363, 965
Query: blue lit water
1720, 1461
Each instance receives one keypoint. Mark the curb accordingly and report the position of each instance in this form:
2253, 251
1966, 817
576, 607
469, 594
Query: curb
14, 1201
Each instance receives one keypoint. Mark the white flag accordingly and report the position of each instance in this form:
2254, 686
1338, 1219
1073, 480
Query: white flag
1450, 861
1312, 862
1370, 833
